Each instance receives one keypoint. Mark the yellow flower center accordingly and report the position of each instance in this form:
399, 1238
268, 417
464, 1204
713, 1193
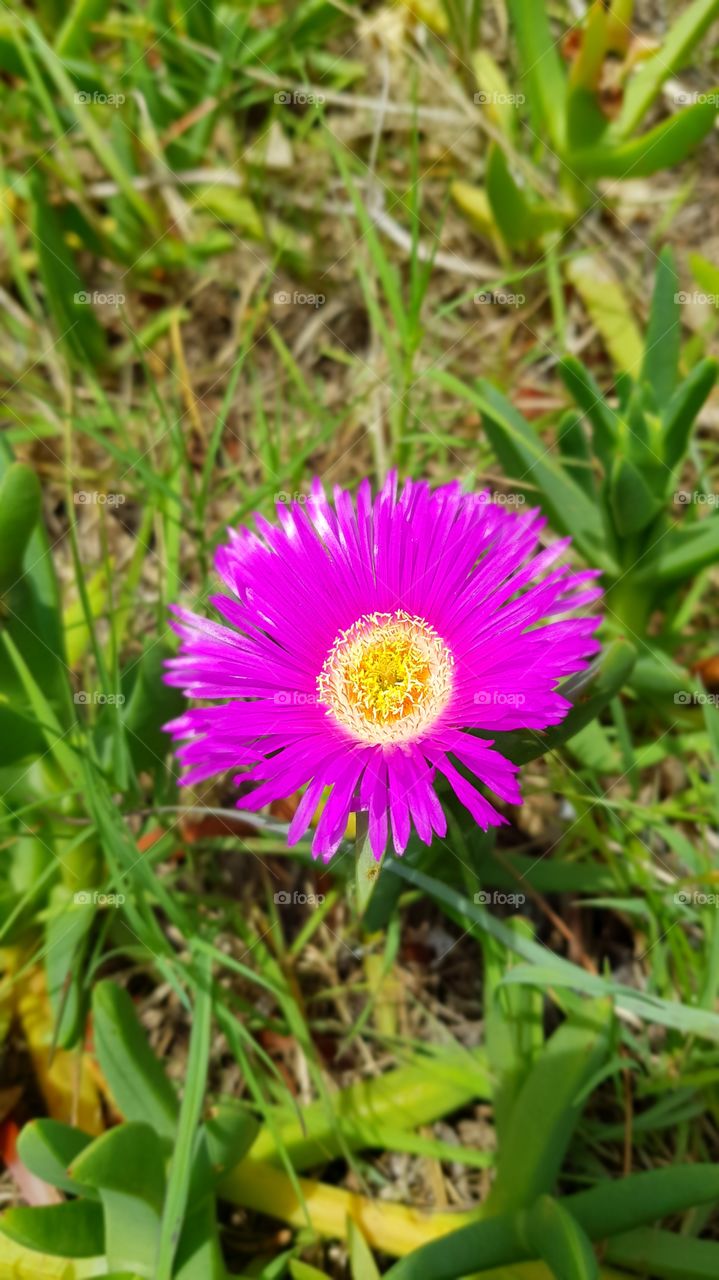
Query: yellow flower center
387, 678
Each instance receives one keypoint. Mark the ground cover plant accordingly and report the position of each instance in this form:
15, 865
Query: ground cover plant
359, 667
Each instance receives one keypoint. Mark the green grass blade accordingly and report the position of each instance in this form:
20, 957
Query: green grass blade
178, 1183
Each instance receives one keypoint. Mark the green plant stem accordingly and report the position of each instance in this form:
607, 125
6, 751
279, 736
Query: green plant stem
367, 868
628, 607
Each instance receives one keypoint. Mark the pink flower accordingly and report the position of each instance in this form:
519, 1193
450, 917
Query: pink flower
366, 641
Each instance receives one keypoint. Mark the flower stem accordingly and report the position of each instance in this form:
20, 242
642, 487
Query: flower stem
367, 868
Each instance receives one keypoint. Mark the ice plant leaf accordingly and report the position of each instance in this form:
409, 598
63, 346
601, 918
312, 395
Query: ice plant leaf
659, 148
548, 1107
661, 353
632, 502
20, 502
611, 1207
683, 552
682, 410
555, 1236
48, 1146
589, 694
362, 643
72, 1230
138, 1083
527, 460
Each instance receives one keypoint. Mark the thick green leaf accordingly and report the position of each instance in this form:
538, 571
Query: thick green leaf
71, 1230
35, 601
541, 68
547, 1109
127, 1158
48, 1147
20, 505
588, 395
682, 553
30, 616
656, 674
680, 414
150, 704
589, 691
664, 1254
575, 451
685, 32
510, 207
199, 1256
586, 122
20, 736
137, 1081
621, 1204
493, 1242
62, 754
518, 220
555, 1236
230, 1132
513, 1026
640, 436
661, 355
660, 148
632, 502
526, 460
606, 1210
126, 1167
593, 749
